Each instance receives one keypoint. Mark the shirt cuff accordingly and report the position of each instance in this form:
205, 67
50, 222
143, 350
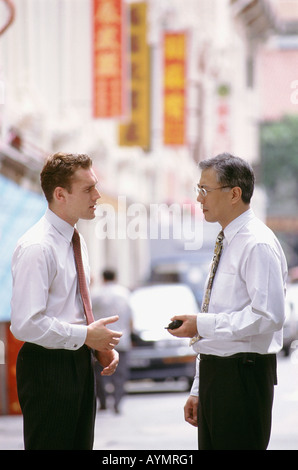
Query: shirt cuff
194, 391
206, 324
77, 337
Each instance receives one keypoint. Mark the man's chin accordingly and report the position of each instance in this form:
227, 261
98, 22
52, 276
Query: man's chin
209, 218
88, 216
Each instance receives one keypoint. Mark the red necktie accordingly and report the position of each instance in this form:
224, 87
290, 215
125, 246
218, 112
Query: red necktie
81, 276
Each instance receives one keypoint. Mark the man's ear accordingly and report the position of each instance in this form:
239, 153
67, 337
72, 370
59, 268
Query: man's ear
236, 194
59, 194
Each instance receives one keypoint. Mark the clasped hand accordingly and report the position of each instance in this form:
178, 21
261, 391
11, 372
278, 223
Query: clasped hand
103, 341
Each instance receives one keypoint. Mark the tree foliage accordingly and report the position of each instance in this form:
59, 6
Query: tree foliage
279, 162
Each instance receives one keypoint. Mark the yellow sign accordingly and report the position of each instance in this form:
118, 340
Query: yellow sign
174, 120
136, 132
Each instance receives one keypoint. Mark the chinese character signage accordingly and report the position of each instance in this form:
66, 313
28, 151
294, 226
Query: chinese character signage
222, 119
136, 131
108, 56
174, 89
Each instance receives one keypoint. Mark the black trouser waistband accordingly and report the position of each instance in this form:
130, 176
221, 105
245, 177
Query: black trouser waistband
245, 357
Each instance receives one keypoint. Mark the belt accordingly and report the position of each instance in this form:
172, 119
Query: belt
245, 357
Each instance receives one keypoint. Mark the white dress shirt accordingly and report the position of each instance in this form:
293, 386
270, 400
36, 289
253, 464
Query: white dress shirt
46, 308
247, 305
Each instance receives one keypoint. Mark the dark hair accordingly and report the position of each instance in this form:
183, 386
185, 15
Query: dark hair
59, 169
232, 171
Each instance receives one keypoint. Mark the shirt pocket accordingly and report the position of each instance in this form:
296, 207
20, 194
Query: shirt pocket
223, 291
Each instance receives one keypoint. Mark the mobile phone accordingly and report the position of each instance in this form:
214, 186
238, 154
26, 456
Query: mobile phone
174, 324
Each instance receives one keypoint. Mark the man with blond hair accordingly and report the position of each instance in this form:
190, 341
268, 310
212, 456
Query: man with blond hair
55, 377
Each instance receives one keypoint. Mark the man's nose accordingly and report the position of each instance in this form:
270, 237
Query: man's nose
200, 198
97, 194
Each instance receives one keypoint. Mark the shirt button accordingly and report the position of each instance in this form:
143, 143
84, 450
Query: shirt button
75, 345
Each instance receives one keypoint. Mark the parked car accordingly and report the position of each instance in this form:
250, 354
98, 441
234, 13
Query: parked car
188, 268
156, 354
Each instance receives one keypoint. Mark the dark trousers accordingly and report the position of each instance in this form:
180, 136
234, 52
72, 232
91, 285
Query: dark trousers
56, 394
235, 401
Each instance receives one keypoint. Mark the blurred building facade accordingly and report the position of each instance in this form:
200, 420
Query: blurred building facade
276, 65
47, 77
278, 83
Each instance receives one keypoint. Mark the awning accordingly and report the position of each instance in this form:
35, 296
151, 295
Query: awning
19, 210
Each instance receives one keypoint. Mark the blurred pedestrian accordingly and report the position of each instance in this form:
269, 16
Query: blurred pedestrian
55, 377
113, 299
239, 330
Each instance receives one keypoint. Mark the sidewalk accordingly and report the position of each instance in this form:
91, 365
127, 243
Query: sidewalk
11, 433
151, 421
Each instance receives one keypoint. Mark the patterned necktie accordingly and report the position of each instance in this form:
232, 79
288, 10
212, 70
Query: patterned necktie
81, 277
215, 261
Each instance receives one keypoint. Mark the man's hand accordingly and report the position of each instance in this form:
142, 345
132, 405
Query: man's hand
109, 360
189, 327
99, 337
191, 410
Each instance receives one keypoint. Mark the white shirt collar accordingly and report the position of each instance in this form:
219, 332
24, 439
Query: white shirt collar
64, 228
236, 224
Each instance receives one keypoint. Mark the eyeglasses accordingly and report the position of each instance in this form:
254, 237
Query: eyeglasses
203, 191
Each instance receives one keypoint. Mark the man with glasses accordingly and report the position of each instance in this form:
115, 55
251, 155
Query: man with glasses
239, 331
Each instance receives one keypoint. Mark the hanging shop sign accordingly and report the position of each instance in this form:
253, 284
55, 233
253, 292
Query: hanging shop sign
174, 88
109, 73
136, 130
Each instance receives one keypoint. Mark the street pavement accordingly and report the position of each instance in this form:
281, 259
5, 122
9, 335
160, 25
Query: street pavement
147, 421
284, 434
154, 421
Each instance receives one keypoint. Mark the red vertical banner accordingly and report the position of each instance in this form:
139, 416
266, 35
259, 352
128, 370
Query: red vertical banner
108, 58
174, 89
